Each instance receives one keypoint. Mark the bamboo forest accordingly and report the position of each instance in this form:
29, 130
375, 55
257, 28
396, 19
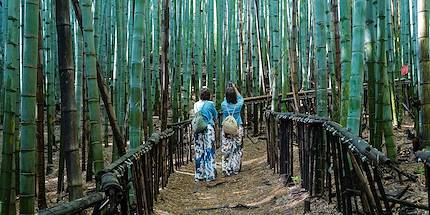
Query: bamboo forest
214, 107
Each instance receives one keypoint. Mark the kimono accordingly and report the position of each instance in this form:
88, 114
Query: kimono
232, 153
204, 155
204, 144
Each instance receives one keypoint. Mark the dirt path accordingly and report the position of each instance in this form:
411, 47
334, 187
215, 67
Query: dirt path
256, 190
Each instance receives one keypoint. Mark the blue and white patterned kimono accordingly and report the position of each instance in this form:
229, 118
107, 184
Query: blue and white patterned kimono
204, 144
205, 155
231, 153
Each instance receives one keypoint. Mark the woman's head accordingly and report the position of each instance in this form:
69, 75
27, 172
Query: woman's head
205, 94
230, 95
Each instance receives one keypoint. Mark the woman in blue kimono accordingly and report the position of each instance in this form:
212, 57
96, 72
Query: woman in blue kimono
232, 144
204, 142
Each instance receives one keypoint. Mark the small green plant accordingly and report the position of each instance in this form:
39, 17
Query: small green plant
420, 170
297, 179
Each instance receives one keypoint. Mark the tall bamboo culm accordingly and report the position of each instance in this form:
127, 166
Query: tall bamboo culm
11, 54
345, 37
28, 108
93, 92
136, 77
357, 67
69, 124
423, 40
321, 61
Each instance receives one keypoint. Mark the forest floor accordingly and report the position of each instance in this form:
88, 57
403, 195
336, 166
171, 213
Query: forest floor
255, 190
258, 190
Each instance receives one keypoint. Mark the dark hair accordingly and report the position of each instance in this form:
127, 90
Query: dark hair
230, 95
205, 94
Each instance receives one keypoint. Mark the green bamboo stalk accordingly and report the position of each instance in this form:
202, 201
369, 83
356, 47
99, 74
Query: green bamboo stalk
423, 40
130, 23
18, 105
303, 23
3, 33
337, 60
28, 108
415, 65
345, 37
78, 72
414, 47
241, 49
330, 63
149, 103
155, 93
119, 93
50, 79
198, 46
93, 93
177, 60
285, 58
274, 51
397, 60
375, 136
220, 80
229, 57
248, 46
357, 67
391, 63
7, 190
383, 87
187, 35
405, 40
164, 70
210, 56
97, 7
103, 58
254, 48
135, 134
293, 57
405, 32
321, 61
55, 56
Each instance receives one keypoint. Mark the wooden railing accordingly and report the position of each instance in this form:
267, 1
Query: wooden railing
131, 184
330, 153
